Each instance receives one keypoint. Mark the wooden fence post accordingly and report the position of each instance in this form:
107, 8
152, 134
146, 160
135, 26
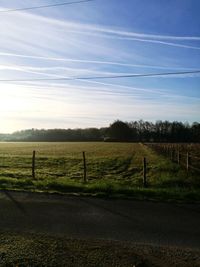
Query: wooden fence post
178, 157
144, 172
172, 154
33, 165
188, 162
168, 151
85, 170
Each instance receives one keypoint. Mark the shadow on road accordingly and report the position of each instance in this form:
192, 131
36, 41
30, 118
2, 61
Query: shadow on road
14, 201
110, 210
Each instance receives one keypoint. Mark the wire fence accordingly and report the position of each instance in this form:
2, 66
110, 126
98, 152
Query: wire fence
78, 167
183, 155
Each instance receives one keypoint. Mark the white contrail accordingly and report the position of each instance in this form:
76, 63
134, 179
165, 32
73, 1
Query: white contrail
132, 91
76, 60
71, 71
91, 27
38, 70
92, 82
132, 38
108, 32
161, 92
89, 61
147, 36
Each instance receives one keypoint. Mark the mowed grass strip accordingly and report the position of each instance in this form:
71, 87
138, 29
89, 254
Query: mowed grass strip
112, 169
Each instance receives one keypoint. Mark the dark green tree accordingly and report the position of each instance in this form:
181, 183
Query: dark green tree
120, 131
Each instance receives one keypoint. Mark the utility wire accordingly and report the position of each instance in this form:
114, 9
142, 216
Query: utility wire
102, 77
45, 6
138, 75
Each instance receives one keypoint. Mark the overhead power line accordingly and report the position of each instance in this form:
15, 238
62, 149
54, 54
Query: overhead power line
138, 75
102, 77
45, 6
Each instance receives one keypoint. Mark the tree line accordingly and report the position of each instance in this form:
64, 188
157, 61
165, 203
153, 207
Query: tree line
118, 131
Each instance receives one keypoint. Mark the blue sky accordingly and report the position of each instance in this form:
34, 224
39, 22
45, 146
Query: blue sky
99, 38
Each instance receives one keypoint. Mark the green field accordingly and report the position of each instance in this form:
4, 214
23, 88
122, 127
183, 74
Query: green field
112, 169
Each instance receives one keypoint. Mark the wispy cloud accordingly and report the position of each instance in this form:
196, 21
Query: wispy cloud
36, 46
112, 33
75, 60
136, 37
70, 25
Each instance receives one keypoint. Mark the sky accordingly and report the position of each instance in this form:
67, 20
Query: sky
98, 38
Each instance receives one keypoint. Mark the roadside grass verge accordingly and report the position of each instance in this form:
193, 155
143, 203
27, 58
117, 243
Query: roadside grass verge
102, 189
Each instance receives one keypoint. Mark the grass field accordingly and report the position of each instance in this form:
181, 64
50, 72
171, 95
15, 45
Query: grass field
112, 169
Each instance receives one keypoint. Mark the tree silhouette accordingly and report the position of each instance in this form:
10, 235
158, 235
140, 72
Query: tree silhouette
120, 131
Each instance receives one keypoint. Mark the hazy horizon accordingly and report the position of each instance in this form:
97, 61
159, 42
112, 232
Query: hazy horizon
96, 127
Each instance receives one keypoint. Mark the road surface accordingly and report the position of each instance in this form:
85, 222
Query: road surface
92, 218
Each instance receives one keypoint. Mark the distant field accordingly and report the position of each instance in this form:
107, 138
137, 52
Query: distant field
111, 167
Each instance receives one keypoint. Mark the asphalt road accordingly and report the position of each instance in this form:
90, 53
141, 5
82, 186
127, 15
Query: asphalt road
92, 218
